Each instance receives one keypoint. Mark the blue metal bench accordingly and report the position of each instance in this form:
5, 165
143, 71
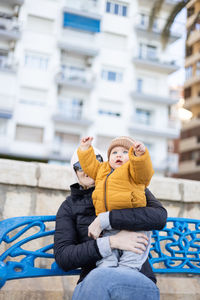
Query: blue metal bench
175, 249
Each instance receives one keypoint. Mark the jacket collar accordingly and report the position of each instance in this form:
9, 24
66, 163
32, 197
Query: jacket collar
77, 190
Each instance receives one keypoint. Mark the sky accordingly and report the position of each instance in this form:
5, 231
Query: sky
177, 50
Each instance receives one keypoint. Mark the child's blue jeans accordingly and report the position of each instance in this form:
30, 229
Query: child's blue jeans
116, 284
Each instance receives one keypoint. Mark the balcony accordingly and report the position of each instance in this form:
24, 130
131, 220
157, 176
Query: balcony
188, 144
76, 78
192, 59
189, 102
191, 19
14, 2
141, 28
168, 165
170, 132
71, 112
5, 144
194, 35
191, 81
188, 167
82, 15
9, 28
89, 7
154, 64
80, 47
153, 98
7, 64
166, 4
6, 106
194, 122
61, 151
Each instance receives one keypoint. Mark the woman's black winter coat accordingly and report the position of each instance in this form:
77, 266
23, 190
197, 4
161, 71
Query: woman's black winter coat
72, 246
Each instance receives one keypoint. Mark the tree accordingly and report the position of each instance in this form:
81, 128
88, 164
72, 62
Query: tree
165, 34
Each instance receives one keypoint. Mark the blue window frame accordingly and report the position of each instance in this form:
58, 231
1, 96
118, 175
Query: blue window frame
139, 85
112, 75
81, 22
124, 11
108, 6
116, 8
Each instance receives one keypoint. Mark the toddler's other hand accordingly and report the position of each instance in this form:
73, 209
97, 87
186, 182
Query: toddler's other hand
95, 229
139, 148
86, 142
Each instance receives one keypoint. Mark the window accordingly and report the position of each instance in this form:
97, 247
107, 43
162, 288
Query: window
151, 52
29, 134
3, 58
187, 92
116, 8
32, 96
75, 73
65, 143
143, 116
147, 51
139, 85
71, 108
198, 68
66, 138
188, 72
109, 113
39, 24
143, 20
190, 11
109, 108
114, 41
189, 51
111, 75
36, 61
3, 126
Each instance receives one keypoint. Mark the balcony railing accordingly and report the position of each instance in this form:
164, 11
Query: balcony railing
154, 63
16, 2
7, 64
151, 130
7, 103
9, 28
169, 165
142, 24
61, 150
71, 112
87, 6
148, 97
76, 77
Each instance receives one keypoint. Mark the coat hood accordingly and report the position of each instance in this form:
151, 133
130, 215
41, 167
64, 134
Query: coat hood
74, 159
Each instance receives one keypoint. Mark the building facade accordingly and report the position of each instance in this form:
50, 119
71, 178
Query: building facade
74, 68
190, 134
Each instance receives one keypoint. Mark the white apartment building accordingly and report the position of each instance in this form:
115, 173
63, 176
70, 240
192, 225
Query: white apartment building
70, 68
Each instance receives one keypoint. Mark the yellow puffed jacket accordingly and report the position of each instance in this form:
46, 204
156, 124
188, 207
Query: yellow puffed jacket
123, 187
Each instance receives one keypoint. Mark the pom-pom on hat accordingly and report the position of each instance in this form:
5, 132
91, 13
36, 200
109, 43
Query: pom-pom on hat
121, 141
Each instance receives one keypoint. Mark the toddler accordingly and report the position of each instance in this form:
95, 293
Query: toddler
119, 183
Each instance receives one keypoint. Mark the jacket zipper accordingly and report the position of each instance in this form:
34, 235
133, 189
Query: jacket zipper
105, 189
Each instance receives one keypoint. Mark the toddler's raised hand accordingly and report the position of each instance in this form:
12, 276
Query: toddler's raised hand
139, 148
86, 142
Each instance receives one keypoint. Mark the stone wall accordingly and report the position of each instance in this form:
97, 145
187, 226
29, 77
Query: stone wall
39, 189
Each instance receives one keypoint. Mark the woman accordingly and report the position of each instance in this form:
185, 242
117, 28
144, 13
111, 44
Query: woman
75, 245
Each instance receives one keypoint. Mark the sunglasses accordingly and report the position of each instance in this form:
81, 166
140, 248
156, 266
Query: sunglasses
77, 166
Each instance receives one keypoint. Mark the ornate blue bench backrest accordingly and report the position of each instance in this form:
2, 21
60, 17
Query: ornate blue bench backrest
175, 249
